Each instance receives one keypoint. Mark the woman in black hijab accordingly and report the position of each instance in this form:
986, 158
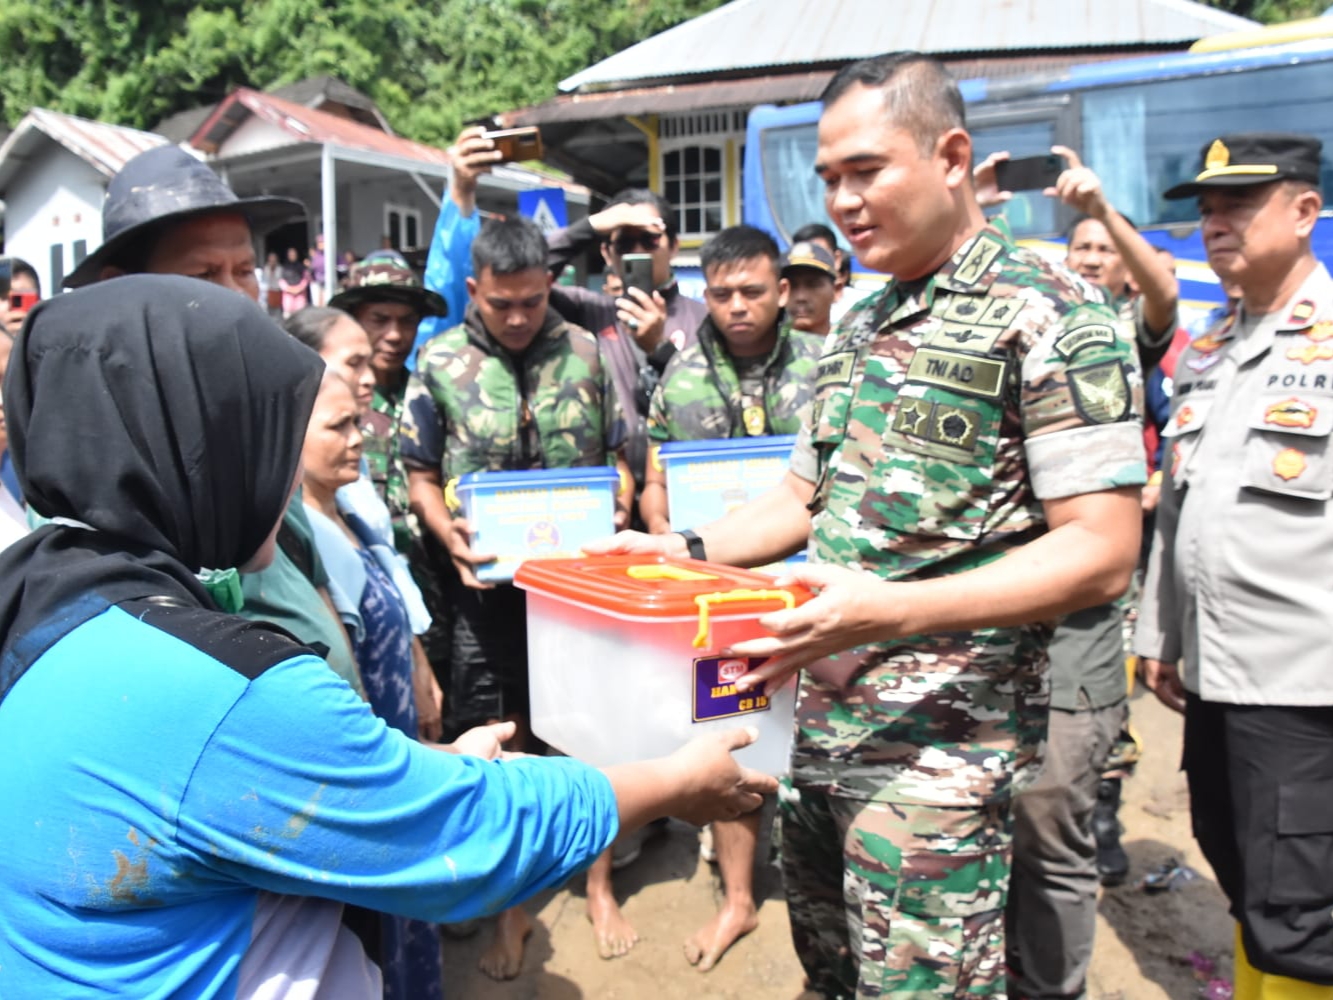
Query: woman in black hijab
188, 797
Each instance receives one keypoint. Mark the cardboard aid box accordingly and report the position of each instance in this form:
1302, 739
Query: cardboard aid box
624, 657
539, 514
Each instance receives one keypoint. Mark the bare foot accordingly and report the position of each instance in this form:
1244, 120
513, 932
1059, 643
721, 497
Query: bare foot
503, 958
731, 923
615, 936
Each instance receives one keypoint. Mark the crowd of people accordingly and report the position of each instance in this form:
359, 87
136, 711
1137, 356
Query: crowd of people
304, 749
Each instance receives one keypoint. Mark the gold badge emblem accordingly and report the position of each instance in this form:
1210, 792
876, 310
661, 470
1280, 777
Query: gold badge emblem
755, 421
1289, 464
1301, 311
1311, 353
1207, 344
1320, 332
1185, 417
1291, 412
1218, 156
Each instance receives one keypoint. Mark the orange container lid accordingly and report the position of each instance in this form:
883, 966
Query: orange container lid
653, 586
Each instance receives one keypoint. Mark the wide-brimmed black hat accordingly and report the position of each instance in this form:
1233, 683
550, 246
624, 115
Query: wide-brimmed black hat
164, 185
381, 278
1253, 158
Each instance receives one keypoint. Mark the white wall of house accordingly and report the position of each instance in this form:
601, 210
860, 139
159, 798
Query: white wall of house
53, 214
255, 135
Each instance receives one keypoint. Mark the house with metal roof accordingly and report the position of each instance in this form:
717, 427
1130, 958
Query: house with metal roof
54, 169
670, 112
323, 143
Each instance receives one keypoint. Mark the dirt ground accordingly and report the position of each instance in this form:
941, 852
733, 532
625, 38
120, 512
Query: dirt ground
1144, 941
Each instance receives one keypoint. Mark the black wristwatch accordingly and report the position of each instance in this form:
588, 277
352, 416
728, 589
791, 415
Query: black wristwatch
694, 544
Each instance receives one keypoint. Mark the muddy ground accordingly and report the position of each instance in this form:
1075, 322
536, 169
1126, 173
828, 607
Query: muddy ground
1144, 941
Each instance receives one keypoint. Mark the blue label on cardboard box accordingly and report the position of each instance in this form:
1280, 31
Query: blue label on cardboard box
715, 694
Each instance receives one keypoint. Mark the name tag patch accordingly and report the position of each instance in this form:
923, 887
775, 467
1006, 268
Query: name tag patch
835, 369
964, 373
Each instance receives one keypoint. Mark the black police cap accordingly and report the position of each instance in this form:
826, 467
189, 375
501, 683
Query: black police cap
1253, 158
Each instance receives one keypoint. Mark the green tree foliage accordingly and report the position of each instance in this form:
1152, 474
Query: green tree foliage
1271, 11
429, 65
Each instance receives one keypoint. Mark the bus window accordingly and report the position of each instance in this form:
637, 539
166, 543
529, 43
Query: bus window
1028, 213
795, 192
1144, 138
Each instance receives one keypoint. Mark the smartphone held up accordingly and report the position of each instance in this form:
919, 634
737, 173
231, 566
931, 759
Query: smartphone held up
1029, 173
516, 144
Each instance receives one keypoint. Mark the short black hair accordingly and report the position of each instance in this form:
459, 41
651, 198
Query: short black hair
644, 196
311, 324
1079, 220
17, 266
737, 243
508, 246
919, 94
814, 232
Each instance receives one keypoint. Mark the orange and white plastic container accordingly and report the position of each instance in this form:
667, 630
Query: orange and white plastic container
624, 657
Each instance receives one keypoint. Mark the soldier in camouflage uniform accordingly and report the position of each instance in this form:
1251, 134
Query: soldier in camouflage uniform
969, 472
512, 388
747, 375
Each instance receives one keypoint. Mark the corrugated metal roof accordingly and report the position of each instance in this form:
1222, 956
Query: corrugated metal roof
305, 125
106, 148
781, 88
760, 34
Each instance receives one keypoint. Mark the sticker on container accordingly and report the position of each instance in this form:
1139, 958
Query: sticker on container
715, 694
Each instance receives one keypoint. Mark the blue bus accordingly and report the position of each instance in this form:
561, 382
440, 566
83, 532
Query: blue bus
1138, 122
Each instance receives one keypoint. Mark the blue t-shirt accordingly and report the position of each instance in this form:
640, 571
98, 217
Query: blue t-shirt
161, 768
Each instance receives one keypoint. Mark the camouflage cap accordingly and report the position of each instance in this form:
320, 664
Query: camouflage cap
382, 279
812, 256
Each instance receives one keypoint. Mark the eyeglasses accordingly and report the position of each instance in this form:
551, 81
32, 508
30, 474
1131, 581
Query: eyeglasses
637, 240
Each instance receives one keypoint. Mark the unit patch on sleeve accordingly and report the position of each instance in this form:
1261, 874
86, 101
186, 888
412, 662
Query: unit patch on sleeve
1084, 336
1101, 392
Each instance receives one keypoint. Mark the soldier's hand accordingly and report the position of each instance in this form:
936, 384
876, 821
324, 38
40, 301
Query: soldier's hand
984, 183
644, 316
638, 543
459, 544
1163, 679
1078, 187
712, 785
850, 609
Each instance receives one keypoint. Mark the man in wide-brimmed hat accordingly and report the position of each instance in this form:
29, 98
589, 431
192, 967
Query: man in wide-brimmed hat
167, 212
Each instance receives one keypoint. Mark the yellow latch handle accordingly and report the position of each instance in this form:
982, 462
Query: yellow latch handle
664, 571
451, 496
706, 602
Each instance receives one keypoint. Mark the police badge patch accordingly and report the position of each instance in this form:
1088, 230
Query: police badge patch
1101, 392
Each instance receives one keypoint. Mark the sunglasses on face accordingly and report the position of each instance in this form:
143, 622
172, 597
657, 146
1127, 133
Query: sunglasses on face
637, 241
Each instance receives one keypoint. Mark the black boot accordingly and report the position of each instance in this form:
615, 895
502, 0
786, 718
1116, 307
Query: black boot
1112, 861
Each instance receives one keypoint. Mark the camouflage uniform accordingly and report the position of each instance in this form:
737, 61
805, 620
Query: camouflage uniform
944, 414
380, 448
705, 393
473, 407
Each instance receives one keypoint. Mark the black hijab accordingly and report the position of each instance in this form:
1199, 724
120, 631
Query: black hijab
166, 414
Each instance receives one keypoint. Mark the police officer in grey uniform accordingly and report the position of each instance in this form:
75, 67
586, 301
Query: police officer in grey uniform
1238, 604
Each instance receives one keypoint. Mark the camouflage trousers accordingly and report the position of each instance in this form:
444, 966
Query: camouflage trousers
892, 900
